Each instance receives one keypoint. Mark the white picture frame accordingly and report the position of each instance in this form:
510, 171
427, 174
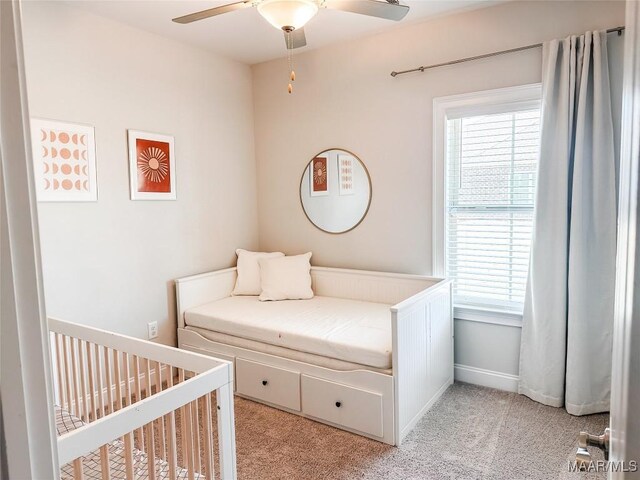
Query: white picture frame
346, 174
313, 191
152, 166
64, 161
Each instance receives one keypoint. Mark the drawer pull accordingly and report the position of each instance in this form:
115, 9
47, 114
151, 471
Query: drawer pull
264, 382
338, 404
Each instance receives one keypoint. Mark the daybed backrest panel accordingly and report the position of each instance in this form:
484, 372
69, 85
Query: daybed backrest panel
379, 287
204, 288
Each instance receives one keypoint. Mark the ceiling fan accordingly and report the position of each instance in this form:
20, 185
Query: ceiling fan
291, 15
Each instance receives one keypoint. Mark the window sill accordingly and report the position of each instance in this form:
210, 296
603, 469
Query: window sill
482, 315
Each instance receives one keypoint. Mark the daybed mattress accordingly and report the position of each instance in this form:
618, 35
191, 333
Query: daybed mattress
348, 330
319, 360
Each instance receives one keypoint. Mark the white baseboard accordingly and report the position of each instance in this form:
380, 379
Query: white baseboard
486, 378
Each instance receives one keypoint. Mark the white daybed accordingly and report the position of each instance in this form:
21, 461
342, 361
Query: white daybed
370, 353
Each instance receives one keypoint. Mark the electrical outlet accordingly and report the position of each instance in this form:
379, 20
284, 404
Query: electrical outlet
152, 328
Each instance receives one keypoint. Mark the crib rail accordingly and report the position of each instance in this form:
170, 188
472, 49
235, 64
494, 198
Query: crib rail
147, 407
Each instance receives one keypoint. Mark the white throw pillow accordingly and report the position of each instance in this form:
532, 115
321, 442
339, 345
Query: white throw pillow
248, 280
286, 278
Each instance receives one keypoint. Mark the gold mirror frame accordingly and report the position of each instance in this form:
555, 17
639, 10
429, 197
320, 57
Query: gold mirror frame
366, 170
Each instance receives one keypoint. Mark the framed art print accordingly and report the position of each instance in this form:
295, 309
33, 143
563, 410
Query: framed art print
152, 167
319, 177
345, 174
64, 160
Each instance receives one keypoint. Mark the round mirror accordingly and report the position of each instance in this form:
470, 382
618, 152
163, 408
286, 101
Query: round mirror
335, 191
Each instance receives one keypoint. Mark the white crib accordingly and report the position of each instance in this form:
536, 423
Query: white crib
128, 408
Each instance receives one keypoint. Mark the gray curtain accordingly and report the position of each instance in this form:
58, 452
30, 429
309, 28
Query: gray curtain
565, 357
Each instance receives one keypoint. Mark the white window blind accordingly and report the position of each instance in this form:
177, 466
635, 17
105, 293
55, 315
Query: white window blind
491, 164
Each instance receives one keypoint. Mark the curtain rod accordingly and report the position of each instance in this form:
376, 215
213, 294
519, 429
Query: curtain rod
617, 30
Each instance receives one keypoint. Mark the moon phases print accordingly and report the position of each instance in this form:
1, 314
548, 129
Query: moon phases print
64, 161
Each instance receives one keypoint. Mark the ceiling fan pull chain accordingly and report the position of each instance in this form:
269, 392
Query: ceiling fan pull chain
292, 74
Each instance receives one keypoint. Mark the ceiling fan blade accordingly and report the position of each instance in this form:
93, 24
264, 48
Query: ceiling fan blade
373, 8
298, 39
212, 12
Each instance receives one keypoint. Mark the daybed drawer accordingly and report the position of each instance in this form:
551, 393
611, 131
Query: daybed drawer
341, 404
271, 384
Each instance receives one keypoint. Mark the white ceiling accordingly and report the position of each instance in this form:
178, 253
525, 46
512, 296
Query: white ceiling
245, 36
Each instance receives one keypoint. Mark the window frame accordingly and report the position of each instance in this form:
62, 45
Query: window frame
501, 100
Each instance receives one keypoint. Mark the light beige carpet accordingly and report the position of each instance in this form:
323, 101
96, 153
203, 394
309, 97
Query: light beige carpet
471, 433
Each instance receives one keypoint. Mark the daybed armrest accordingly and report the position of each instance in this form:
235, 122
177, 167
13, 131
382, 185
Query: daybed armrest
203, 288
422, 339
439, 285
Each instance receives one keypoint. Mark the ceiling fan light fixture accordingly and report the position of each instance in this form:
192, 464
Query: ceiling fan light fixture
288, 15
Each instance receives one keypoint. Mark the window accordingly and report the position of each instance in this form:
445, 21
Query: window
488, 164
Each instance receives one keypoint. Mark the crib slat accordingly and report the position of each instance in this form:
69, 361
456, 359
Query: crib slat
171, 441
187, 439
208, 437
151, 464
161, 435
196, 436
107, 367
128, 456
74, 373
78, 473
105, 463
189, 451
171, 446
127, 379
147, 378
136, 383
67, 375
59, 368
128, 438
147, 381
99, 375
118, 379
92, 387
183, 424
183, 437
83, 381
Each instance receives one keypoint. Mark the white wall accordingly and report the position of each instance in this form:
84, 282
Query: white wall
344, 97
111, 263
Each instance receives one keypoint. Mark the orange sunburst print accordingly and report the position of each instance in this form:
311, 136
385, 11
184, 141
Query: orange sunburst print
320, 174
153, 165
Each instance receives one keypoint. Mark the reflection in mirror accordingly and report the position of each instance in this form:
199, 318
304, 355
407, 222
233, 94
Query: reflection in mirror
335, 191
